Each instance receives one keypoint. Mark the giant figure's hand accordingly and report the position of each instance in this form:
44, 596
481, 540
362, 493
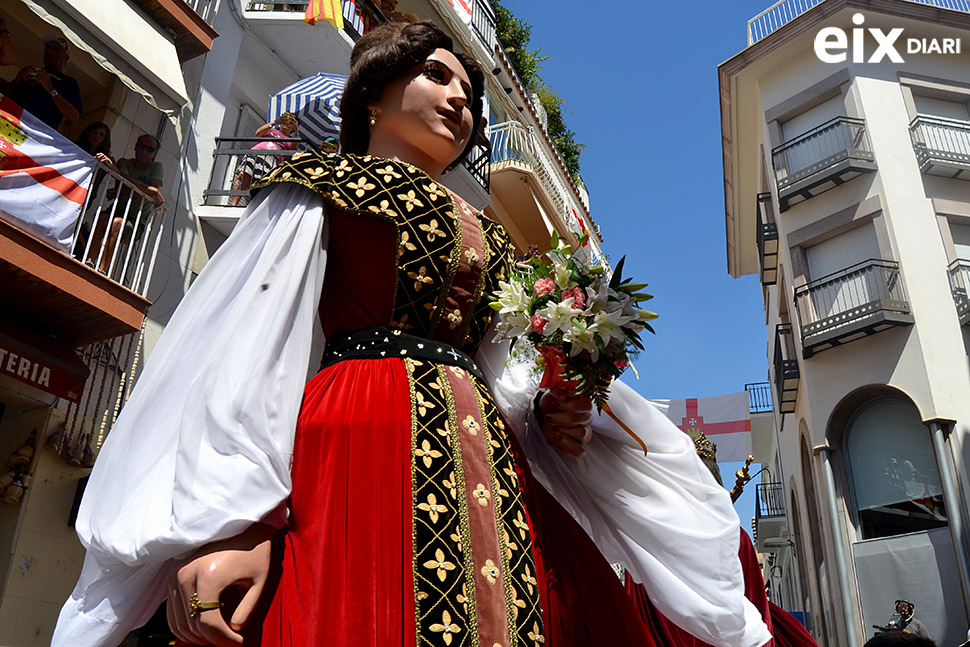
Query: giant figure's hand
242, 561
566, 421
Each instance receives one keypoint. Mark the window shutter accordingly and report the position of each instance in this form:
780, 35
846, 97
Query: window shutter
813, 118
843, 251
961, 241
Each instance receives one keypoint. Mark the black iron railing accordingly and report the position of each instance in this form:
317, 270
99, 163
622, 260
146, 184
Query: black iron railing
769, 500
786, 368
940, 141
767, 233
852, 294
836, 140
759, 397
959, 272
477, 162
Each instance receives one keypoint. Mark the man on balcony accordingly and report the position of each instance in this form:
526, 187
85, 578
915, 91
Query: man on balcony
48, 93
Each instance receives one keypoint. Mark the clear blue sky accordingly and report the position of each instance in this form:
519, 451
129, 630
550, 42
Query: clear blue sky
640, 84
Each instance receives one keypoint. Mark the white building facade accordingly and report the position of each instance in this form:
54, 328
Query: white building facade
846, 190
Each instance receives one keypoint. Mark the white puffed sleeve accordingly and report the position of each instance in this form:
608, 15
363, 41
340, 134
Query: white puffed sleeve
663, 515
202, 448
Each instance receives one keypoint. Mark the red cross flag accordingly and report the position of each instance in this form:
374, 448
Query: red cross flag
463, 8
724, 419
44, 177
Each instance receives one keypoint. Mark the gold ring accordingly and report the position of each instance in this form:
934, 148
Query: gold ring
196, 606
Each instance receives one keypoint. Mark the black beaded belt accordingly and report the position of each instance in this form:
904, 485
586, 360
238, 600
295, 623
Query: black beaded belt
379, 342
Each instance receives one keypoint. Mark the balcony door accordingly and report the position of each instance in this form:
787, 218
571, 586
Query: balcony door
839, 283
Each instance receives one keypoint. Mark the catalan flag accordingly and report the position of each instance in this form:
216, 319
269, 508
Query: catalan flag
328, 10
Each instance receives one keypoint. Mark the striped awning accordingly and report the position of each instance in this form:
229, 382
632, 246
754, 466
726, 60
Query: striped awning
315, 101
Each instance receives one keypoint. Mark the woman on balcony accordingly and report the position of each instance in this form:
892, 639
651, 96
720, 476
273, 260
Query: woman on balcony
252, 167
395, 504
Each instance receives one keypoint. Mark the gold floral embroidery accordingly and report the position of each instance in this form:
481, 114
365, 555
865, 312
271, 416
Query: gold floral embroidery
434, 191
536, 635
411, 201
299, 156
446, 626
422, 595
528, 579
471, 425
449, 484
389, 173
406, 244
440, 565
342, 168
490, 571
316, 172
512, 474
462, 598
521, 524
481, 494
472, 256
425, 453
432, 229
510, 544
454, 319
455, 537
422, 404
361, 186
458, 372
432, 507
421, 278
518, 603
384, 208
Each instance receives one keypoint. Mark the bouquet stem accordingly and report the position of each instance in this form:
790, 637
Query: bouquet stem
609, 412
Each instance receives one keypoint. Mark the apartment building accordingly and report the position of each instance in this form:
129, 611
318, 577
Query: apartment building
846, 142
196, 75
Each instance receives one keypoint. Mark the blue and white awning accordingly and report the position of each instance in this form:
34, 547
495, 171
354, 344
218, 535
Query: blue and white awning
315, 101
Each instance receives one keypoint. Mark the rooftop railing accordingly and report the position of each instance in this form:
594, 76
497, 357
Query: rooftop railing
359, 16
784, 11
483, 23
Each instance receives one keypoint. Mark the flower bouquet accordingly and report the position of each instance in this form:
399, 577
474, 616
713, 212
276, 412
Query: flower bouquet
584, 324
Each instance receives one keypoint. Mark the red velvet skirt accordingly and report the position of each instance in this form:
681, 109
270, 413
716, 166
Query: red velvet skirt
414, 520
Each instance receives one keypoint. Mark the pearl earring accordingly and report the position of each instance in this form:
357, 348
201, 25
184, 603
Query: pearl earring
373, 117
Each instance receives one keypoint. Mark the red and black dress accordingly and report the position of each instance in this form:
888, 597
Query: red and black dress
413, 518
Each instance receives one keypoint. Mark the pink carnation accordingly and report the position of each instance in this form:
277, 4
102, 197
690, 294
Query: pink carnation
544, 287
579, 297
538, 323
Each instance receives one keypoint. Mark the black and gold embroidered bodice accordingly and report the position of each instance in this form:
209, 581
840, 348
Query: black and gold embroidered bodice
403, 252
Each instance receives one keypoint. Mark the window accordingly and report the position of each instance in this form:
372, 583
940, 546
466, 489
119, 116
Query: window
855, 287
893, 470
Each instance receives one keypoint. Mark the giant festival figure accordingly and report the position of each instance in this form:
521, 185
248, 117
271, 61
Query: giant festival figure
415, 491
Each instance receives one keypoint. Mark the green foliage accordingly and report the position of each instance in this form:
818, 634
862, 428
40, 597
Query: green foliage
515, 34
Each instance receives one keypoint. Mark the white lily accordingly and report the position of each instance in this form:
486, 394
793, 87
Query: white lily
582, 337
512, 297
559, 316
609, 325
563, 277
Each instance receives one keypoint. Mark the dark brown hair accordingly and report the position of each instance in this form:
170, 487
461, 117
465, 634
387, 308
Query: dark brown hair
84, 142
384, 55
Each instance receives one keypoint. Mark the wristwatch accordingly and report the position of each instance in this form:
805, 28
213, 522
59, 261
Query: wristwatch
53, 94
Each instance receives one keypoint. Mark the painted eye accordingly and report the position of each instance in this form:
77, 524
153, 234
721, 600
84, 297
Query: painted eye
434, 73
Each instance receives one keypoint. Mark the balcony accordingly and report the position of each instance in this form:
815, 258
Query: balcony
942, 146
821, 159
759, 397
770, 521
359, 15
787, 374
861, 300
523, 175
767, 240
483, 24
188, 20
783, 12
959, 271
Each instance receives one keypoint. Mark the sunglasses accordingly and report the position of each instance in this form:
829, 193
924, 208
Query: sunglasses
150, 149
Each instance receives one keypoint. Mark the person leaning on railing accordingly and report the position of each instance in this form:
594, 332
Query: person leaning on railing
253, 167
133, 212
